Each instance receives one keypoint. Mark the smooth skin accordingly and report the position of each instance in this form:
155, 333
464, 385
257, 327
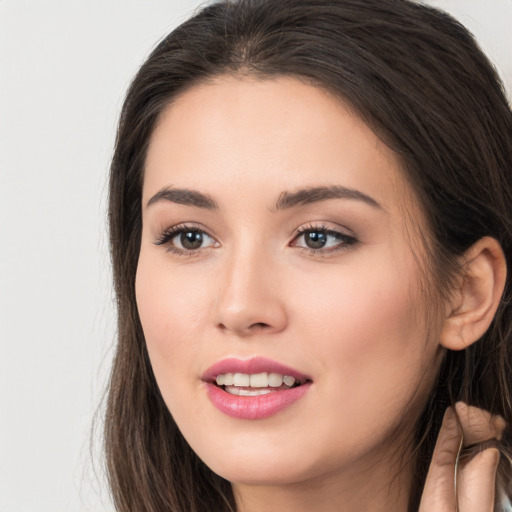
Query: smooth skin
329, 285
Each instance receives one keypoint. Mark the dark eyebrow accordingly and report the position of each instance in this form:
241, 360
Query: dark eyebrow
315, 194
184, 196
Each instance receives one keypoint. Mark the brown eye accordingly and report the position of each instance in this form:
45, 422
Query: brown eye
191, 240
185, 240
315, 239
323, 240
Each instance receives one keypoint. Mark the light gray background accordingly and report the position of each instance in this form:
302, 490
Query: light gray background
64, 67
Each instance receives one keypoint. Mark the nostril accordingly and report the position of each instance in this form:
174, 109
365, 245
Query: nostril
260, 325
250, 329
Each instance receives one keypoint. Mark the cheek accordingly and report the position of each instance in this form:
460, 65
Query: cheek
380, 312
171, 311
369, 326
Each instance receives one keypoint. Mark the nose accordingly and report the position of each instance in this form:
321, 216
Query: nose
251, 300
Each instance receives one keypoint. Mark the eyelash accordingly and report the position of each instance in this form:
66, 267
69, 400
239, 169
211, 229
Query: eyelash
345, 240
166, 237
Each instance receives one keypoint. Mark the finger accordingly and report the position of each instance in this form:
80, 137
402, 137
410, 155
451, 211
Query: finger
439, 491
479, 425
476, 482
477, 473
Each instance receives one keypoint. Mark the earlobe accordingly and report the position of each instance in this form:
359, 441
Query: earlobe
482, 282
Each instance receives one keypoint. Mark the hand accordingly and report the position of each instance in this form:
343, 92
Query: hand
475, 470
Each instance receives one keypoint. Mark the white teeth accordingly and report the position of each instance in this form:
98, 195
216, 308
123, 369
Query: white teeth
289, 381
246, 392
226, 379
241, 379
255, 380
259, 380
275, 380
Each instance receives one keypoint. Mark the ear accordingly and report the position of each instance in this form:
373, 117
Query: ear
474, 303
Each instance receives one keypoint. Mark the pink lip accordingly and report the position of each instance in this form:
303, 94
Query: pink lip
253, 407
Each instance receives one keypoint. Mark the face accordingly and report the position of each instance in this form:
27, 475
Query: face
277, 284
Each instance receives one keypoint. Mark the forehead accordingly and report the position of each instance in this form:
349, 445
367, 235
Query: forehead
269, 135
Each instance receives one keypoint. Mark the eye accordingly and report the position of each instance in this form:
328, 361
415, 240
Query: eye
322, 239
186, 239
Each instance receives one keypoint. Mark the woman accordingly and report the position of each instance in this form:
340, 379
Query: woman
311, 229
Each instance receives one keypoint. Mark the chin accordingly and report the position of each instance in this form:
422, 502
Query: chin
274, 465
264, 473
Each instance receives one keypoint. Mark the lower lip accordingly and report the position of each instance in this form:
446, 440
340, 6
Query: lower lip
255, 407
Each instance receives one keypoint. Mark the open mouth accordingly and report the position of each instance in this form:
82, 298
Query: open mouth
256, 384
256, 388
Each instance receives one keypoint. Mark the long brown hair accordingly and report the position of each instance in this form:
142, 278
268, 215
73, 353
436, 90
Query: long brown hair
418, 79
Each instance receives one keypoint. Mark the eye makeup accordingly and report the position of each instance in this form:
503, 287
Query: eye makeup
316, 239
185, 239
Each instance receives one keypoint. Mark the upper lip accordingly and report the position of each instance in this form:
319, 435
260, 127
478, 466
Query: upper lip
251, 366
